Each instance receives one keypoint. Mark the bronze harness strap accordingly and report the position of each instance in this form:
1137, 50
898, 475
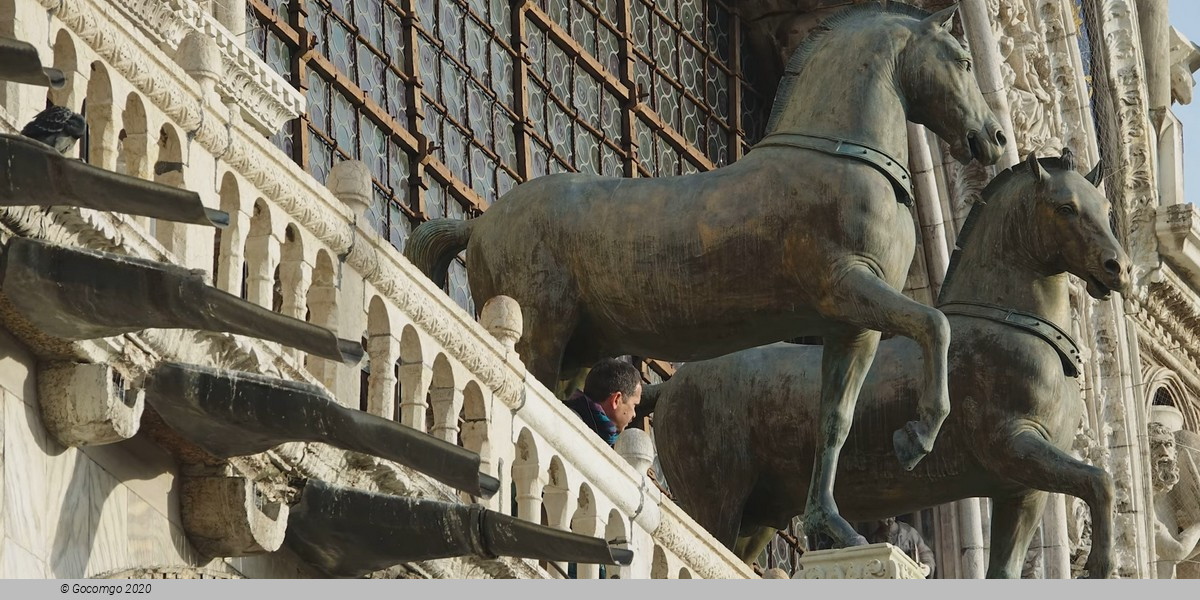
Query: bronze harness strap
1058, 339
896, 172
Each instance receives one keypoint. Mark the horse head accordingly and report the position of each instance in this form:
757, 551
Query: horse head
1069, 224
942, 94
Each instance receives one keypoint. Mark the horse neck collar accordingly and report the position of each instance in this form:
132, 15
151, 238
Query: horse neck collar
894, 170
1060, 340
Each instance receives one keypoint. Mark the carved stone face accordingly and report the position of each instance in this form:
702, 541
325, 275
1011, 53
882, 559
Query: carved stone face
1163, 465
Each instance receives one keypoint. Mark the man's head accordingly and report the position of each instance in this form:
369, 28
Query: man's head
1163, 458
617, 387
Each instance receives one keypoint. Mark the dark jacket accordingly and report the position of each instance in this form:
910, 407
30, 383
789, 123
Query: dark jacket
593, 416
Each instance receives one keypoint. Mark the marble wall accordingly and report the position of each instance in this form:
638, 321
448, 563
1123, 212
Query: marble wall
95, 511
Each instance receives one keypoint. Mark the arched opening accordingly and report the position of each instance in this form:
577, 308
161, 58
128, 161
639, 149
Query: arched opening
228, 242
322, 311
617, 535
101, 119
262, 254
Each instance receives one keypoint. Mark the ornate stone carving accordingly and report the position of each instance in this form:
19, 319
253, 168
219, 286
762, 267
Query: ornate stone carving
873, 561
1026, 71
1185, 59
265, 97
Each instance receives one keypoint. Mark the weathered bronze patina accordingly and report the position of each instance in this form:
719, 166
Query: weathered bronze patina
36, 175
230, 413
735, 434
19, 63
81, 294
348, 533
786, 242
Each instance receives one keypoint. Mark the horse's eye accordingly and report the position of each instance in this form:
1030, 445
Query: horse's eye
965, 63
1066, 210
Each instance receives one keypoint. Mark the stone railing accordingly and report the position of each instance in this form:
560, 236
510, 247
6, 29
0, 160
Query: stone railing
266, 99
305, 250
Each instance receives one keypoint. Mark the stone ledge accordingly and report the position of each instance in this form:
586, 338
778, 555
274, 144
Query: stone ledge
873, 561
1178, 230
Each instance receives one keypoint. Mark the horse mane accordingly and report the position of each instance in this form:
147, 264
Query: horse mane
808, 45
1066, 162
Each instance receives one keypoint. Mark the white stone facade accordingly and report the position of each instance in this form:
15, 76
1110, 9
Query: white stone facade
170, 82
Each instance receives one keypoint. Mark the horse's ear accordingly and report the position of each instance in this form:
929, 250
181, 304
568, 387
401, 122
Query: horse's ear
1035, 167
1097, 174
941, 19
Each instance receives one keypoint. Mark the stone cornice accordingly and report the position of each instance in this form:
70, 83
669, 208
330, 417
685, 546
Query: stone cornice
265, 97
1178, 231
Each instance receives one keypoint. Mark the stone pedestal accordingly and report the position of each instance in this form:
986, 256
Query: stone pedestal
873, 561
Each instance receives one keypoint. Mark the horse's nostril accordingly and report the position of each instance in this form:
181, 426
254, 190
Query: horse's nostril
1113, 267
1000, 139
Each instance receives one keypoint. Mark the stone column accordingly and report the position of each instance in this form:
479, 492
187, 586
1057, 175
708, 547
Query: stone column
384, 350
986, 55
1156, 50
558, 502
973, 562
232, 14
260, 284
447, 403
296, 277
929, 208
416, 378
527, 478
1054, 538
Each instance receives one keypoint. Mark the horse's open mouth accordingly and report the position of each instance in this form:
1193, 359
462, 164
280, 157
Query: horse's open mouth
1097, 289
973, 145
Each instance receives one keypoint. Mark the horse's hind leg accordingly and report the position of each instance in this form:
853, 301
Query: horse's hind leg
844, 365
1030, 460
1014, 520
548, 329
863, 299
751, 545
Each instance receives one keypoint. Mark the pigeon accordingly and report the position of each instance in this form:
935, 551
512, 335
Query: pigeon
57, 126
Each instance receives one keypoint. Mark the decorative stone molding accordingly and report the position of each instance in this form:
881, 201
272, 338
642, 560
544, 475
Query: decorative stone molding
1185, 59
1178, 230
636, 447
228, 516
1131, 180
87, 404
501, 317
267, 100
350, 182
1025, 70
873, 561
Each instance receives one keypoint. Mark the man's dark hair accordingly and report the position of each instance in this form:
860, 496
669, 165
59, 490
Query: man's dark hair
611, 375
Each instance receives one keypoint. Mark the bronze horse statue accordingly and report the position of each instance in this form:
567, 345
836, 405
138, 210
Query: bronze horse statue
808, 234
735, 434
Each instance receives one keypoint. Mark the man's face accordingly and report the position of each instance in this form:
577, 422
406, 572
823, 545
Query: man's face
625, 407
1163, 461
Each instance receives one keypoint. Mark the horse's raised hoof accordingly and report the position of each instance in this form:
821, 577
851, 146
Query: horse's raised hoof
909, 445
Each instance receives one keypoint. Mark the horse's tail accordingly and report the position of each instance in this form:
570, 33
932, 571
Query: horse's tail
650, 395
435, 243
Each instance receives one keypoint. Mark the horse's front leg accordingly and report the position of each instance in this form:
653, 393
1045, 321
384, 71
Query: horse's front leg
845, 361
1014, 520
861, 298
1028, 459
